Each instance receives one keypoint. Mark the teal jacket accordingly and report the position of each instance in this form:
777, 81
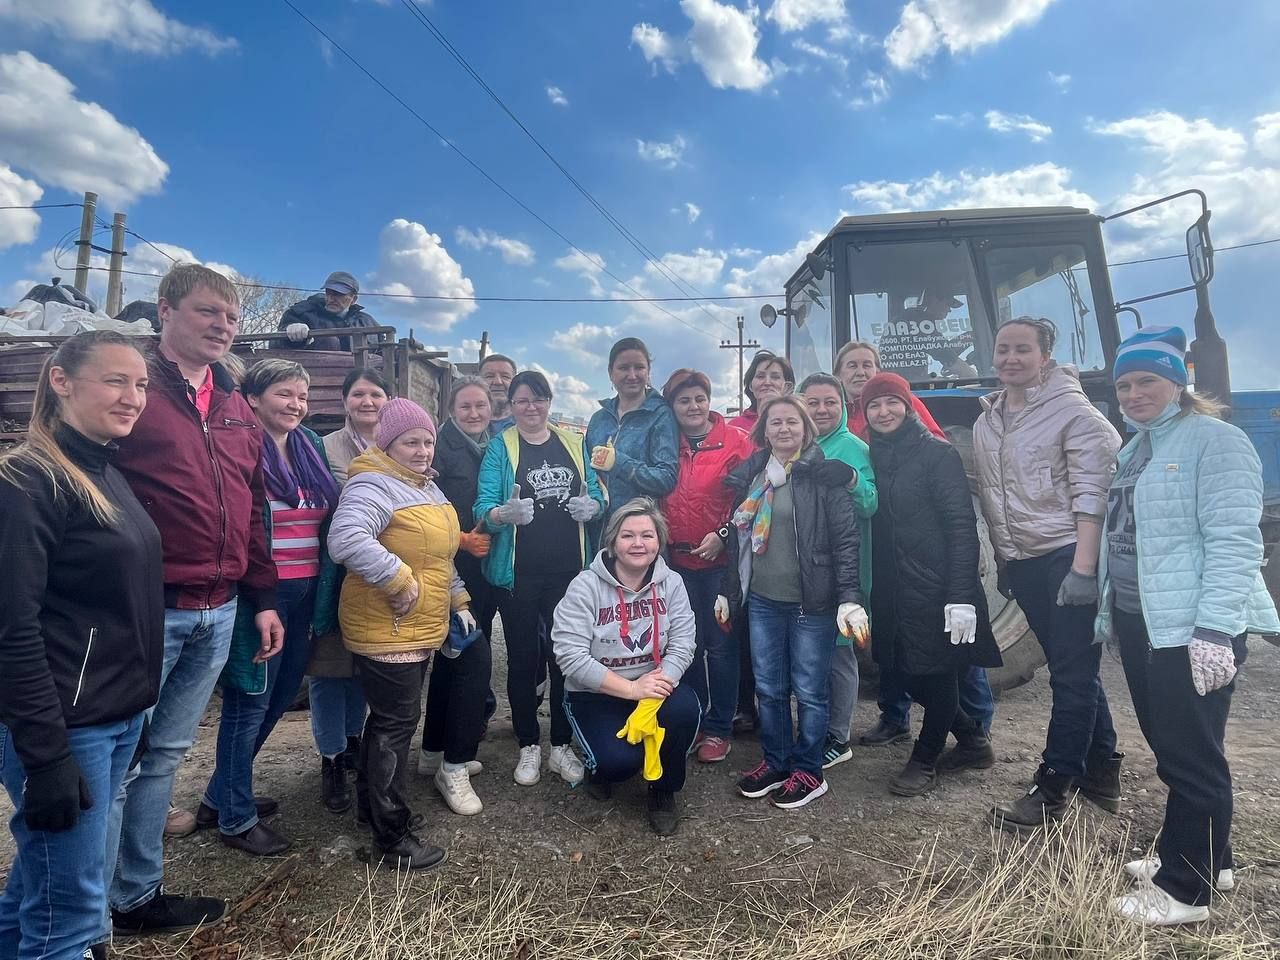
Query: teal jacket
646, 445
1196, 508
240, 672
842, 445
494, 487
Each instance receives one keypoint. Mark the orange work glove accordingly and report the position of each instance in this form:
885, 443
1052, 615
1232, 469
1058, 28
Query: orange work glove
476, 544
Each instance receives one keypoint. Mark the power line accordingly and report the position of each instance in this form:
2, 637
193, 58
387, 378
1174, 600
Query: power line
612, 220
479, 169
1182, 256
42, 206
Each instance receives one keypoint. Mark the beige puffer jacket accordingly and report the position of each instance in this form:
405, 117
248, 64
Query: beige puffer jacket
1053, 462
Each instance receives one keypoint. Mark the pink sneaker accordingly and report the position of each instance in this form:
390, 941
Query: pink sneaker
713, 749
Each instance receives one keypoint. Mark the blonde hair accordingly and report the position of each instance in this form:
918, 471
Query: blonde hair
639, 507
183, 278
41, 450
856, 345
795, 402
1201, 403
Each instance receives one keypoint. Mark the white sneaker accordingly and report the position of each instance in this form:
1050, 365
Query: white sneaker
529, 767
1152, 906
455, 787
429, 762
1146, 868
566, 763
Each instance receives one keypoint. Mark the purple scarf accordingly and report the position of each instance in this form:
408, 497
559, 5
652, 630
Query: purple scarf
308, 473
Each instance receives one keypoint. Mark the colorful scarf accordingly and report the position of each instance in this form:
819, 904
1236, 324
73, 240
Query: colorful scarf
307, 474
756, 512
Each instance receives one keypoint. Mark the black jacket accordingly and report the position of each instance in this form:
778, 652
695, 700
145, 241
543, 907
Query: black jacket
826, 530
313, 313
457, 464
924, 555
82, 609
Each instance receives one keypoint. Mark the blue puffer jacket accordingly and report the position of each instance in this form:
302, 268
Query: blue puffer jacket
646, 446
1197, 506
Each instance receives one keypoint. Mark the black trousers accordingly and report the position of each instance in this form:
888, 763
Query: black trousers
1081, 734
529, 650
394, 694
939, 694
1187, 733
597, 718
458, 693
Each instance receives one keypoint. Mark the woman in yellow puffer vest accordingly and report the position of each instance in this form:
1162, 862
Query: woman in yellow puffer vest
396, 534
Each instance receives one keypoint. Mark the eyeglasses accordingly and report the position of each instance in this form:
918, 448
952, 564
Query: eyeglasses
527, 403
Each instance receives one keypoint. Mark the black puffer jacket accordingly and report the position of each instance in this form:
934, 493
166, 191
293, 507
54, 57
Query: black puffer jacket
826, 531
457, 464
924, 555
315, 315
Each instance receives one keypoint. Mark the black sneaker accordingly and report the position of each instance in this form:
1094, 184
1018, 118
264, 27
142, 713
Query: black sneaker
760, 781
96, 952
799, 789
882, 733
207, 817
836, 751
662, 812
410, 853
167, 913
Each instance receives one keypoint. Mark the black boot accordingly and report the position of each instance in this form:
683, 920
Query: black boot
971, 752
597, 789
1043, 804
915, 779
1101, 783
335, 791
663, 819
409, 853
352, 754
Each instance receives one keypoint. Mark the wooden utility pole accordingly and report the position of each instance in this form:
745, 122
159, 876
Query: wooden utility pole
117, 262
742, 346
484, 345
85, 242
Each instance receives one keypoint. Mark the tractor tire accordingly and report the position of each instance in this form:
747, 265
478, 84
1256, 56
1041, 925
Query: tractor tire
1017, 642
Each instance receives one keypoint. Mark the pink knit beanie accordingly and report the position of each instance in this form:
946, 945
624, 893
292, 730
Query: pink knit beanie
396, 417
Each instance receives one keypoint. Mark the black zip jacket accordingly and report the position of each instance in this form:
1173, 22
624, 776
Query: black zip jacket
924, 555
315, 315
82, 609
826, 530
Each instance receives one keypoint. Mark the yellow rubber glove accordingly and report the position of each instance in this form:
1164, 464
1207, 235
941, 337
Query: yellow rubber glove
642, 727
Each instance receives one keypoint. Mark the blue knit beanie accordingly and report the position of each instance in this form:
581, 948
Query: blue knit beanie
1158, 350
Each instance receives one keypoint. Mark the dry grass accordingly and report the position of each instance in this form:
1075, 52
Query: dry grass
1042, 898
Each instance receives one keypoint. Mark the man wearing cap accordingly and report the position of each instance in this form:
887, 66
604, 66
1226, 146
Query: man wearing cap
332, 308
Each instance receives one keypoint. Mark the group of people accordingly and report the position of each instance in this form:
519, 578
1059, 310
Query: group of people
664, 582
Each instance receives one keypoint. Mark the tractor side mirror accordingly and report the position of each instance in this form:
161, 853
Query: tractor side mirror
1200, 252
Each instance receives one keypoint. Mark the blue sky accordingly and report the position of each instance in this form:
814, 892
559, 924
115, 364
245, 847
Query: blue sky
725, 137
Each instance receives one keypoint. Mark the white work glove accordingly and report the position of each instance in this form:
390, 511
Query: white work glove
467, 620
298, 332
775, 472
722, 610
961, 621
852, 622
516, 511
582, 508
1213, 665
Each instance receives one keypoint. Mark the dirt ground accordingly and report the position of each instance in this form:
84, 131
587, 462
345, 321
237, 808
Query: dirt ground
852, 838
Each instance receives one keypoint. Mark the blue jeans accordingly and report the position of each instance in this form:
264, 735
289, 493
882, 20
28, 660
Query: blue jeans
196, 643
975, 698
248, 718
337, 712
714, 671
791, 655
56, 896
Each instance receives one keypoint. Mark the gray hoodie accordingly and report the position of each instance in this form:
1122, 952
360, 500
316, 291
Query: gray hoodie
602, 626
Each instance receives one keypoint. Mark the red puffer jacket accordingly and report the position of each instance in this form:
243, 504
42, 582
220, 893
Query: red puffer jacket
202, 485
701, 502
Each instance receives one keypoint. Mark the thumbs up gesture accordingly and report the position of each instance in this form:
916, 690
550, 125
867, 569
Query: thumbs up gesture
517, 511
603, 456
582, 508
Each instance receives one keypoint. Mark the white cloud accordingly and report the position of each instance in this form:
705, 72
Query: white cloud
723, 42
587, 265
1037, 185
1060, 80
1266, 135
17, 226
1188, 144
821, 53
133, 25
657, 47
693, 211
954, 119
769, 274
791, 15
1018, 123
70, 143
667, 154
512, 251
700, 269
875, 90
557, 97
925, 26
572, 395
588, 343
413, 260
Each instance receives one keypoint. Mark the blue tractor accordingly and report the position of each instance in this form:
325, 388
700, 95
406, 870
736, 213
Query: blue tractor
930, 288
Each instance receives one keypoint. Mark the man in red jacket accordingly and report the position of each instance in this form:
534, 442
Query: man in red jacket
193, 460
